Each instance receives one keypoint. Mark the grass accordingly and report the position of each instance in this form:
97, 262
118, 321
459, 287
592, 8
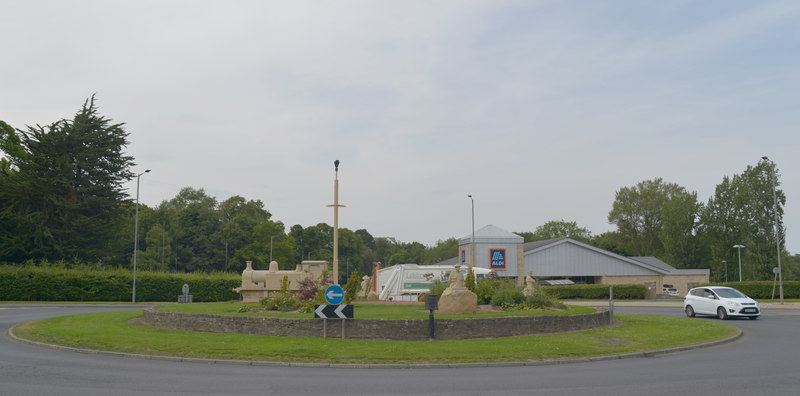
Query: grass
361, 311
112, 331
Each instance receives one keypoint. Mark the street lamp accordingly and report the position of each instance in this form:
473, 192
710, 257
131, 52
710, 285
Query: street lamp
336, 207
777, 226
136, 235
725, 263
472, 246
739, 248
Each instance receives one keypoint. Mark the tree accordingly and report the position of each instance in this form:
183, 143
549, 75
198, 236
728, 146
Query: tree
238, 218
678, 231
65, 197
557, 229
638, 212
741, 212
442, 251
269, 239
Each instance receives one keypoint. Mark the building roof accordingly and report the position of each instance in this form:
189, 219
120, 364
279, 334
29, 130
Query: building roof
491, 233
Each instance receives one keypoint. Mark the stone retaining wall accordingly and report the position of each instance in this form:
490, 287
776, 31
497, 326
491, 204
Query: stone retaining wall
365, 329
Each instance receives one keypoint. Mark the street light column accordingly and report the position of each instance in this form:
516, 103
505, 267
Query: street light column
777, 226
472, 255
336, 207
739, 248
136, 236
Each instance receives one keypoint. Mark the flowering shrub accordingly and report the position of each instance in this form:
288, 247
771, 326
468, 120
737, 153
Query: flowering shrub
283, 302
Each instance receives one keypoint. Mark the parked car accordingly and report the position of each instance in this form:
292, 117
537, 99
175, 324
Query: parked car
722, 301
671, 292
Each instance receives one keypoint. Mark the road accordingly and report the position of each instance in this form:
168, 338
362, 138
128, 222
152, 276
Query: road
762, 362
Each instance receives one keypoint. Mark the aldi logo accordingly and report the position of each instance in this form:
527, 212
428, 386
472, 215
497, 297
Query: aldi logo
497, 259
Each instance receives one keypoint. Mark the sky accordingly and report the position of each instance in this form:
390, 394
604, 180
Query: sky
541, 110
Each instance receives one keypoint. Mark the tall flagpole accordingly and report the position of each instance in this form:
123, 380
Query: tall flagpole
336, 207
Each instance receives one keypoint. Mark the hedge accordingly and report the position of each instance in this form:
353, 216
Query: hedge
627, 292
763, 289
58, 284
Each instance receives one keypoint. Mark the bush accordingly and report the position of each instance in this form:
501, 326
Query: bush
437, 288
507, 297
469, 281
542, 299
351, 287
486, 288
283, 302
763, 289
49, 283
627, 292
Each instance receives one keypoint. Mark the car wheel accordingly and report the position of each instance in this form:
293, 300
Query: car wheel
721, 313
753, 317
689, 311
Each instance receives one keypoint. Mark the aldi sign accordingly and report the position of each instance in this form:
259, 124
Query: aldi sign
497, 259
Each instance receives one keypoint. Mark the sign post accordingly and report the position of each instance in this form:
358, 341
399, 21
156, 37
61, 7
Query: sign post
431, 303
334, 295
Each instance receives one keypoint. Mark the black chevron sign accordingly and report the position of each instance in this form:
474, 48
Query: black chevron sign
344, 311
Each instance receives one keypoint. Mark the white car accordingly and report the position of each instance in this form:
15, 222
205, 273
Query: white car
721, 301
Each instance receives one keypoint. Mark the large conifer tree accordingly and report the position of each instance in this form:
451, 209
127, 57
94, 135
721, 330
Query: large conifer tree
66, 196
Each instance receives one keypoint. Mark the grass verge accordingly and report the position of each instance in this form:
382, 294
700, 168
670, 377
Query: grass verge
112, 331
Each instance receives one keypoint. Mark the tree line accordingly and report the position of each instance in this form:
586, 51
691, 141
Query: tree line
62, 199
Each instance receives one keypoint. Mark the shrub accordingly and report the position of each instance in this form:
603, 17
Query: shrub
351, 287
763, 289
507, 297
634, 291
53, 283
283, 302
542, 299
469, 281
437, 288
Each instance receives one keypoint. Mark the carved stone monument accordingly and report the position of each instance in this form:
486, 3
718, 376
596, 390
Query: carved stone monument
258, 284
457, 298
529, 285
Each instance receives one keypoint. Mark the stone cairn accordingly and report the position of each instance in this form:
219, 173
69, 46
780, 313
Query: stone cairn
457, 298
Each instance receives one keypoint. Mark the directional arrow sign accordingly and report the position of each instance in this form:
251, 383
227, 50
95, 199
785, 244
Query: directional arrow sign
344, 311
334, 294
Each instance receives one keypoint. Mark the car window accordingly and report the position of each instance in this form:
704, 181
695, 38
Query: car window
730, 293
697, 292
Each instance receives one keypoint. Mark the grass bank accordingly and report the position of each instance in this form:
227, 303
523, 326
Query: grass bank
113, 331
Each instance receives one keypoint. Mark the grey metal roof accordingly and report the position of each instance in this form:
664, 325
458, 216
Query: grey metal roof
491, 233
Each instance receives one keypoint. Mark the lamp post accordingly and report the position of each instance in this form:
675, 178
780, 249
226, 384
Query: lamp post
336, 207
725, 263
739, 248
270, 247
136, 236
472, 246
777, 225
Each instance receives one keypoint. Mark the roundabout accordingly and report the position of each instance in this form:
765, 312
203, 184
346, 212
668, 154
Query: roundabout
766, 344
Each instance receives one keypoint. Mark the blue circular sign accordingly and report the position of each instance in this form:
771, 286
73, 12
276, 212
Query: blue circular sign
334, 294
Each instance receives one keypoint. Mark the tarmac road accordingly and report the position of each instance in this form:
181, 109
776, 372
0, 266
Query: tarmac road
762, 362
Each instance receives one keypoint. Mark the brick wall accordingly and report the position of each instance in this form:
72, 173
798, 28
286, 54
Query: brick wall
411, 329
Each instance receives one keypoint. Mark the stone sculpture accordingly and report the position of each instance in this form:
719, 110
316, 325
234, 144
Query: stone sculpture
457, 298
258, 284
529, 285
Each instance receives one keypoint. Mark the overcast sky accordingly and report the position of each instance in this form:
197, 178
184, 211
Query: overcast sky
541, 110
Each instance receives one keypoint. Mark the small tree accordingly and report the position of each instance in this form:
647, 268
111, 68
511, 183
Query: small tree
351, 287
469, 281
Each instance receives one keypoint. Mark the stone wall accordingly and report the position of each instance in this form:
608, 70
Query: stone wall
409, 330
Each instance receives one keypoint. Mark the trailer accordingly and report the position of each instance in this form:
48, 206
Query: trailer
406, 282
